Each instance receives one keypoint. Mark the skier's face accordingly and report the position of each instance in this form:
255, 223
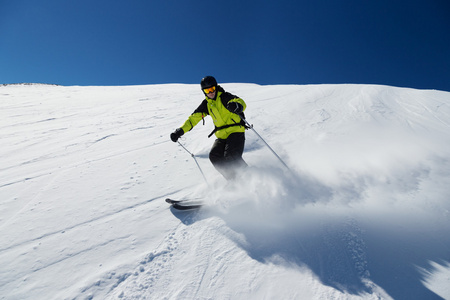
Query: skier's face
211, 95
210, 92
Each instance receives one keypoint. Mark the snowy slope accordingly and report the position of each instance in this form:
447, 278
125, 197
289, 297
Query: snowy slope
363, 214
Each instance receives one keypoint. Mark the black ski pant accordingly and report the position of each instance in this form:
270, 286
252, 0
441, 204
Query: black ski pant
226, 155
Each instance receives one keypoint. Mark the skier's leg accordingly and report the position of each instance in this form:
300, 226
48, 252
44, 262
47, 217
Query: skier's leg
234, 149
217, 157
226, 155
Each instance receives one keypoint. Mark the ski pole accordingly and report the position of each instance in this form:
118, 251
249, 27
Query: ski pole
195, 159
279, 158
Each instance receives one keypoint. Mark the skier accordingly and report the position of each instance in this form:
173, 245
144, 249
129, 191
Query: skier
225, 109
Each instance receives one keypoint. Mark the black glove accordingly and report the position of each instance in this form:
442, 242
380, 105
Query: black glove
174, 136
235, 107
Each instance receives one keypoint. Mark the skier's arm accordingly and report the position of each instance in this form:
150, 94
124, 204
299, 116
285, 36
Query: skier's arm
233, 103
195, 117
192, 121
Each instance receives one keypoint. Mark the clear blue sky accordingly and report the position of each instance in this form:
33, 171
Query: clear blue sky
115, 42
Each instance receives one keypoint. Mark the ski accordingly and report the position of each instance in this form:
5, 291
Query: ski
184, 204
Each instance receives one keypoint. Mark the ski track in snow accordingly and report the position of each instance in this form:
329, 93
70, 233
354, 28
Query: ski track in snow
363, 215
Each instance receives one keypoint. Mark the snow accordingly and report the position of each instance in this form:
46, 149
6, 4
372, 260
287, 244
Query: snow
363, 212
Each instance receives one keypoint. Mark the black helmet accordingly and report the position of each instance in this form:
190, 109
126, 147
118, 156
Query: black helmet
208, 81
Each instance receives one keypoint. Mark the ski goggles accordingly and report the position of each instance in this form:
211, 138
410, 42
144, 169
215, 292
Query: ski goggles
209, 90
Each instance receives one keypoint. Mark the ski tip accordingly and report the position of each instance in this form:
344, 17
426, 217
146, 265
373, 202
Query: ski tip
171, 201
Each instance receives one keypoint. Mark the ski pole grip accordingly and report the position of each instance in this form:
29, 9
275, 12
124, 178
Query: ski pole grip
245, 121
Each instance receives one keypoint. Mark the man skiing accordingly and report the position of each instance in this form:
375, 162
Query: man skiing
225, 109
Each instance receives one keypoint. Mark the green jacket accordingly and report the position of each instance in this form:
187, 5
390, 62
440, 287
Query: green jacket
225, 122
